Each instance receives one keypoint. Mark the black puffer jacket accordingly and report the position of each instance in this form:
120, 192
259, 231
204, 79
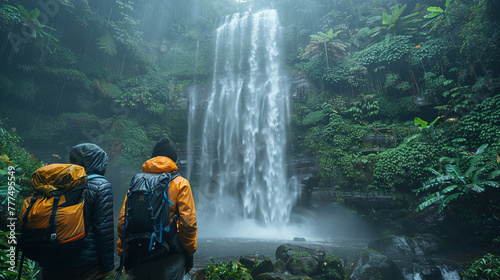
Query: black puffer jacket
98, 208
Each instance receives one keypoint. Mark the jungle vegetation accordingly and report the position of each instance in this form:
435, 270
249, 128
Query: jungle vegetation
404, 96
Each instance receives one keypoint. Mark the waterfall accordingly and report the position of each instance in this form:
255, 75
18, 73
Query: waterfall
241, 168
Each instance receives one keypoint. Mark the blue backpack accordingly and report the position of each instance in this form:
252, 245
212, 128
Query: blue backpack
147, 230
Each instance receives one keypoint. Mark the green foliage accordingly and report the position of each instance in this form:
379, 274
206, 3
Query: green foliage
397, 108
47, 129
6, 85
385, 52
107, 44
39, 34
31, 270
23, 90
69, 76
113, 91
335, 146
431, 50
393, 82
424, 124
325, 42
435, 86
403, 167
156, 92
458, 180
394, 24
363, 109
483, 124
481, 38
315, 117
436, 16
227, 271
12, 154
485, 267
9, 188
133, 142
126, 28
63, 58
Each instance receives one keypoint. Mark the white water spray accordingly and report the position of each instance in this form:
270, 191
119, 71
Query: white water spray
242, 162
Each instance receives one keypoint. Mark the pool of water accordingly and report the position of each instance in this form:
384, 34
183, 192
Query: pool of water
226, 249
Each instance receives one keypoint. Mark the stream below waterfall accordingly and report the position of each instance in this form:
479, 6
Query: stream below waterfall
226, 249
230, 249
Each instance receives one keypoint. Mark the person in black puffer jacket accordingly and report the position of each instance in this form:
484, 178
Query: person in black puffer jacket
97, 257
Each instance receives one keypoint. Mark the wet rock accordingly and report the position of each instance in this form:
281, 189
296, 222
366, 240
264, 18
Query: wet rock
332, 269
423, 268
257, 264
429, 244
302, 263
314, 263
369, 264
285, 251
280, 267
393, 245
299, 239
419, 245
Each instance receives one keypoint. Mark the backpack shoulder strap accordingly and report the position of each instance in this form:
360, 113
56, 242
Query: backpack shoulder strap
93, 176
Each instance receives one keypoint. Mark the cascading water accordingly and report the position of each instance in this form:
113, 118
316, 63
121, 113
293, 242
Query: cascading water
242, 165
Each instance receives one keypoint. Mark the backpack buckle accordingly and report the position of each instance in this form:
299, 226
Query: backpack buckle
53, 236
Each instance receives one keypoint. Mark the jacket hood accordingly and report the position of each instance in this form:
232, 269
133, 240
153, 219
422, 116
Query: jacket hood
91, 157
57, 177
159, 164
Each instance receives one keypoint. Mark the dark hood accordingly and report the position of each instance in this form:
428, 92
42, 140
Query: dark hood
91, 157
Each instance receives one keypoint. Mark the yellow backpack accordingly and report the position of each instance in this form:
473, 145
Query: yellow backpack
52, 219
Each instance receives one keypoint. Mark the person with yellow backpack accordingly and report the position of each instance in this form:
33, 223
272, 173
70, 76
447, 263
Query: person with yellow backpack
67, 224
157, 225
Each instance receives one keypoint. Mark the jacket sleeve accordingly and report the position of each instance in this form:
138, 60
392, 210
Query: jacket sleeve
187, 217
121, 219
104, 225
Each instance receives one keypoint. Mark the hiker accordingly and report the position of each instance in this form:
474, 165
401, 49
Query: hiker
168, 253
67, 224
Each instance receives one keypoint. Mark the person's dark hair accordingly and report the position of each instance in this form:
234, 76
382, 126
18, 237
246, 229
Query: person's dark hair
165, 148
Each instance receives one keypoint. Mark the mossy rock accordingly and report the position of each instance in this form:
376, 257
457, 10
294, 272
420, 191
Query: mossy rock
370, 264
302, 263
257, 264
279, 267
332, 269
286, 251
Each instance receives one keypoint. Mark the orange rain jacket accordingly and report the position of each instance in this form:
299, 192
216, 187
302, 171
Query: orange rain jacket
179, 192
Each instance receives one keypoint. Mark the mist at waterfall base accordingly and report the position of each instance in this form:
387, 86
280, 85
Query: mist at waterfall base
243, 188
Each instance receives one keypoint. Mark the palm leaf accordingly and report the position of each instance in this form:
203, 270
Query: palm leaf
455, 170
429, 201
481, 149
492, 184
435, 10
447, 200
433, 171
475, 177
450, 188
494, 174
475, 187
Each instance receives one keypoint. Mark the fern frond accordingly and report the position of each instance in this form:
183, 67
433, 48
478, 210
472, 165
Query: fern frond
107, 44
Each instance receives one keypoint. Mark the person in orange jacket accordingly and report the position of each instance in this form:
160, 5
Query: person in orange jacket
172, 266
